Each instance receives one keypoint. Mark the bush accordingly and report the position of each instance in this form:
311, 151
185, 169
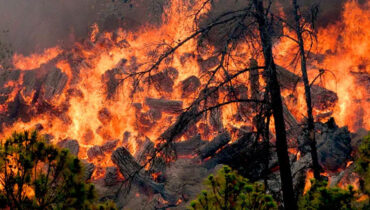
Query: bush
363, 164
228, 190
36, 175
322, 197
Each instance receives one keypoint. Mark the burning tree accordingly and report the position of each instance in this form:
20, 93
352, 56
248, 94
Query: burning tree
210, 85
300, 32
244, 23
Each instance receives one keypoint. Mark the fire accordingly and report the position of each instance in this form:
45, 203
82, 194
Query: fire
344, 47
349, 58
95, 106
34, 61
307, 186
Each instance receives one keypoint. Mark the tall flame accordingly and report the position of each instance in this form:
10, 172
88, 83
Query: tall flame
99, 109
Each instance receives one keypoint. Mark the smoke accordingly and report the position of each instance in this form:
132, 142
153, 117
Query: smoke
37, 24
34, 25
329, 10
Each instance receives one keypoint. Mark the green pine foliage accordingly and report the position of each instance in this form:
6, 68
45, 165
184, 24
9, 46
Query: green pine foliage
363, 169
363, 164
322, 197
228, 190
36, 175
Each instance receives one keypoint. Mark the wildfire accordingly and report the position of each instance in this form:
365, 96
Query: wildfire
344, 48
34, 61
95, 106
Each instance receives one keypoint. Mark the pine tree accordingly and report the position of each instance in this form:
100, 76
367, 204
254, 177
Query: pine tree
36, 175
228, 190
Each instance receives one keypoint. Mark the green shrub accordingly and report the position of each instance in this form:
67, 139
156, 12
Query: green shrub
228, 190
363, 164
322, 197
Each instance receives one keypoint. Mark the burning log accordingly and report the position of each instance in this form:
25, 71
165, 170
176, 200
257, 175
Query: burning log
182, 123
104, 116
323, 99
127, 164
97, 151
231, 152
130, 169
189, 86
89, 169
210, 148
109, 77
148, 119
126, 138
208, 64
164, 80
287, 79
247, 155
146, 150
70, 144
190, 146
157, 166
109, 146
94, 152
111, 176
164, 105
53, 84
291, 123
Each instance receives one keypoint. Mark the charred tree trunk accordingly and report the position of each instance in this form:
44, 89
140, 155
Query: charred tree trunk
277, 108
310, 120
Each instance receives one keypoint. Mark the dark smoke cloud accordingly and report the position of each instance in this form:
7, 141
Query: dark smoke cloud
37, 24
329, 10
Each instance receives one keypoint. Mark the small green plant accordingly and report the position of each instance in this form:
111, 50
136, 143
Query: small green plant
228, 190
36, 175
322, 197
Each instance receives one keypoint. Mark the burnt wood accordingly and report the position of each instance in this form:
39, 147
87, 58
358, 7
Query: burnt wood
130, 169
217, 143
190, 146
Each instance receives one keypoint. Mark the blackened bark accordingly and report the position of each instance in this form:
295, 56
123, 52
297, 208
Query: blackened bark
310, 120
130, 169
210, 148
277, 108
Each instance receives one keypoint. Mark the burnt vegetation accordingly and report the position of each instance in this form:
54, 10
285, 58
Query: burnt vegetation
238, 109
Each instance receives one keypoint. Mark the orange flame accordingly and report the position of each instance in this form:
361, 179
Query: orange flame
34, 61
96, 107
